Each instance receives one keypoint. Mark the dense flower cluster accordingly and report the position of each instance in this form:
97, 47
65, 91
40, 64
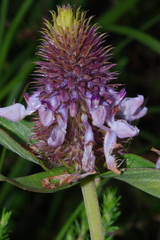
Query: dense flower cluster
80, 113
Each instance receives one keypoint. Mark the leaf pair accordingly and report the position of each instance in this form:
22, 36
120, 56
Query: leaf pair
138, 171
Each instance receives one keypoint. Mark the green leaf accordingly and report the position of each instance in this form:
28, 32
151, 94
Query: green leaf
134, 161
12, 145
146, 179
18, 128
139, 173
34, 182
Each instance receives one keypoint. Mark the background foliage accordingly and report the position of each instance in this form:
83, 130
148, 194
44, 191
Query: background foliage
133, 28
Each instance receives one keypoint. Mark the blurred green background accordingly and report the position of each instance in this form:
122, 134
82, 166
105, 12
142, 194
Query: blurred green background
134, 32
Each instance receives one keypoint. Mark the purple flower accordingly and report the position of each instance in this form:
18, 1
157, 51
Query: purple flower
158, 159
79, 113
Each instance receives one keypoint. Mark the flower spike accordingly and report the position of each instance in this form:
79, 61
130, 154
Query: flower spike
79, 115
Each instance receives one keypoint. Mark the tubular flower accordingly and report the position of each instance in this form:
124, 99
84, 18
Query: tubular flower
80, 114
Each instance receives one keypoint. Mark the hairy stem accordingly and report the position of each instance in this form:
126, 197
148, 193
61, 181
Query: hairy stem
92, 208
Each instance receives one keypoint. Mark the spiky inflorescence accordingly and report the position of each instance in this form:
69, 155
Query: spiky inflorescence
75, 66
80, 114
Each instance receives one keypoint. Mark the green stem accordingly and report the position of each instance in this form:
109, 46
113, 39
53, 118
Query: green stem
92, 208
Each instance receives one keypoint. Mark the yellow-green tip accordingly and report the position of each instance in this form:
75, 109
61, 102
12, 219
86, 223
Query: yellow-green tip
65, 19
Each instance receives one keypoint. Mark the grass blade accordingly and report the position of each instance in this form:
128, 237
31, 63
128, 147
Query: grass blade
116, 12
9, 36
142, 37
26, 69
3, 14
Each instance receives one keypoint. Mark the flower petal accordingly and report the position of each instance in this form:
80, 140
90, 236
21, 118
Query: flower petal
99, 115
15, 112
33, 102
109, 142
46, 115
88, 160
111, 164
57, 137
130, 108
158, 163
55, 102
158, 160
118, 96
109, 145
88, 137
138, 114
62, 117
73, 107
124, 129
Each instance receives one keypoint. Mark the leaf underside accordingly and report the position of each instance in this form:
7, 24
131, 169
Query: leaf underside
33, 182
